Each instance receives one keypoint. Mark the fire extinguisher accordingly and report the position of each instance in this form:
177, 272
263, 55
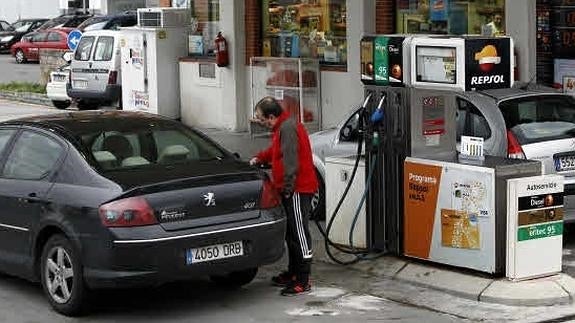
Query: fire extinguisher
222, 57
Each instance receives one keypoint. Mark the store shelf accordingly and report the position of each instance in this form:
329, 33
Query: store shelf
303, 103
291, 88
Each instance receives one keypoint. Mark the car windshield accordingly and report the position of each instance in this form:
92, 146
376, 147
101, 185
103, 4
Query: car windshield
540, 118
94, 23
22, 26
148, 145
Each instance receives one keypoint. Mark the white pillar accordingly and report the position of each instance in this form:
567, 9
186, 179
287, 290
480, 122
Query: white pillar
232, 26
520, 21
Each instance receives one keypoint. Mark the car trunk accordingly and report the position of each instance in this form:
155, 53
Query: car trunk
544, 128
196, 195
88, 73
557, 156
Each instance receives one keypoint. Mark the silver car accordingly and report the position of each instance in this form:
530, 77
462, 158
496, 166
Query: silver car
516, 123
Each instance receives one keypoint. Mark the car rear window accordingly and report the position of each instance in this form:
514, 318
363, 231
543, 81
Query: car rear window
84, 48
150, 146
536, 119
104, 48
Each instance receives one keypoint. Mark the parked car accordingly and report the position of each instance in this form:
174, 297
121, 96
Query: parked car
110, 22
28, 49
96, 70
56, 87
114, 199
5, 26
20, 28
65, 21
516, 123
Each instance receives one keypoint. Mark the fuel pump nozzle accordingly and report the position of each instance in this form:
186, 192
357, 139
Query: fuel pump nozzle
378, 114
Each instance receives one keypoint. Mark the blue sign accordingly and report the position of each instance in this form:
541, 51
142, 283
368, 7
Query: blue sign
74, 39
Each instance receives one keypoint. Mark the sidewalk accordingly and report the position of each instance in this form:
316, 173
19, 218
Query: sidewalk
555, 290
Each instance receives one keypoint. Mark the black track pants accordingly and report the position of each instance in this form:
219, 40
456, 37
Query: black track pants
298, 238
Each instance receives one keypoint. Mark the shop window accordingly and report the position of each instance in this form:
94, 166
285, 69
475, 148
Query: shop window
485, 17
305, 28
205, 25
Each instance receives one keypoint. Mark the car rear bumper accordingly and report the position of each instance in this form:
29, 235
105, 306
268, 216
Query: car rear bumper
111, 93
153, 261
57, 91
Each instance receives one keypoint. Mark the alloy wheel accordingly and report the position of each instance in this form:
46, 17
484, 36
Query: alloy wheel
59, 275
20, 57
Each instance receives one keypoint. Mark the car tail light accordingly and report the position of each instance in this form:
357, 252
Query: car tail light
269, 197
130, 212
113, 78
514, 149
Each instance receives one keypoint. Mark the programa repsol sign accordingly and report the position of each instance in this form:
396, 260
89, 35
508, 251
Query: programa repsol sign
487, 63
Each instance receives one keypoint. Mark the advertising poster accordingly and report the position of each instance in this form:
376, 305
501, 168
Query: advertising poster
535, 226
433, 115
395, 55
439, 10
459, 230
562, 68
488, 64
381, 61
421, 189
367, 70
449, 213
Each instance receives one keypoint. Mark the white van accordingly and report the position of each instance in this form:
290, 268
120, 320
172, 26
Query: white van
95, 70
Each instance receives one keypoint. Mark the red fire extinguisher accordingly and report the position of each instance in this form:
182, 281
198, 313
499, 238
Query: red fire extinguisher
222, 57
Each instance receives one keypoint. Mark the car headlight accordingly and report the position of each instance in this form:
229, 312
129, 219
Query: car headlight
6, 39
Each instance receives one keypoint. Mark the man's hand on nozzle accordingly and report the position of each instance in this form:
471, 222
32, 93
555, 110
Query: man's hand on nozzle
254, 161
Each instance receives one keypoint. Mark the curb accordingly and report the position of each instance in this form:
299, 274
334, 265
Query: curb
26, 97
558, 289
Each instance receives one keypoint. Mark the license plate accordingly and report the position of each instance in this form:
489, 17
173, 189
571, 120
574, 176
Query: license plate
565, 163
214, 252
59, 78
81, 84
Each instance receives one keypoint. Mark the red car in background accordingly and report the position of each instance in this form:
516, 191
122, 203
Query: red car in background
28, 48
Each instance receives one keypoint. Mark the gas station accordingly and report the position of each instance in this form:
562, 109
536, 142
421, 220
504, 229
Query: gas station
428, 196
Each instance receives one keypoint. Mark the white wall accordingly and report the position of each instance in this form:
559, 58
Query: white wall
12, 10
218, 104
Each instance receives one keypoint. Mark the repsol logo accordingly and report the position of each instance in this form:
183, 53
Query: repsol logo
491, 79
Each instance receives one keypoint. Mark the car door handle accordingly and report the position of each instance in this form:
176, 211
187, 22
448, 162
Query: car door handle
33, 198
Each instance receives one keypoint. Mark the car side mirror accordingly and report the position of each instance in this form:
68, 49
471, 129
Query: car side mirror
67, 56
237, 155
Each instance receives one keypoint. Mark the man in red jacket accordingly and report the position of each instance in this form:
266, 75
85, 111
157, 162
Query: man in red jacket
293, 175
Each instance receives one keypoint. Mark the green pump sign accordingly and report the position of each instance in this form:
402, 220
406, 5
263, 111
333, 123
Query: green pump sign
381, 61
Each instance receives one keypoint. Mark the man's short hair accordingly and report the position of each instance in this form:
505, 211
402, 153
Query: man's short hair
269, 106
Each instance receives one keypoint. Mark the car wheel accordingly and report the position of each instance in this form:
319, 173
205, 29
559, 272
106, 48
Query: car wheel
318, 201
236, 279
61, 104
86, 105
20, 57
62, 276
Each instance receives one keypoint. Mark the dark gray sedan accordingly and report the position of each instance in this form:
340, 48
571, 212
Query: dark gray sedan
115, 199
515, 123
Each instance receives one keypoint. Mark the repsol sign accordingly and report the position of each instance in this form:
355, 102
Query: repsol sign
490, 79
487, 63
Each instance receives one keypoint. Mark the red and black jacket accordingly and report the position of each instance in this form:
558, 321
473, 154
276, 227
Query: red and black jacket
290, 157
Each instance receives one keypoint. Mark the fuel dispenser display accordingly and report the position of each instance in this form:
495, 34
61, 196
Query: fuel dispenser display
422, 200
